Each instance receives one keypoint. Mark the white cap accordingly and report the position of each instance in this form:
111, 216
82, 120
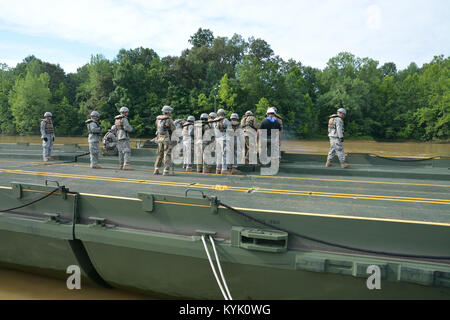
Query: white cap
270, 110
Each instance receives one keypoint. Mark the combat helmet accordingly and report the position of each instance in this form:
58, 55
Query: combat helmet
221, 112
47, 114
234, 116
204, 116
249, 113
342, 110
95, 114
191, 118
124, 109
167, 109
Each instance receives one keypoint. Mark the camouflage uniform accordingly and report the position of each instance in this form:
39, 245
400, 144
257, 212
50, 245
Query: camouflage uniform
202, 126
280, 121
222, 124
209, 145
94, 130
249, 125
336, 133
188, 144
47, 136
237, 143
110, 144
165, 127
123, 145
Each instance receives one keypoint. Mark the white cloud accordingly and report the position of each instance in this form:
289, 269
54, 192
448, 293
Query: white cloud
309, 31
374, 17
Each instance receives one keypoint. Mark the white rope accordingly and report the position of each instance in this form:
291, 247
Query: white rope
213, 269
220, 268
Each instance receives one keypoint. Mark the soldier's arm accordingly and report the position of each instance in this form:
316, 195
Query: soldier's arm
255, 122
42, 129
172, 126
227, 124
113, 143
339, 130
126, 125
94, 128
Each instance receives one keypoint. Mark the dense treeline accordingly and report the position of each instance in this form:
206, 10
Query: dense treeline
237, 75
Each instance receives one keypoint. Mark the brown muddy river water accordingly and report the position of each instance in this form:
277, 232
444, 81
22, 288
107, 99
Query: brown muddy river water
414, 149
23, 286
17, 285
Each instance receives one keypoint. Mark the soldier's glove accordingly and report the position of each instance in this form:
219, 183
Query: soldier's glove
45, 139
341, 139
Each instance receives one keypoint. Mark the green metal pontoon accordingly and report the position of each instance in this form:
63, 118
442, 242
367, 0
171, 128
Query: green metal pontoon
309, 232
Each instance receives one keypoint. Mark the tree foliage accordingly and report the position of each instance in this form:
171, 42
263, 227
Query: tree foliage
235, 74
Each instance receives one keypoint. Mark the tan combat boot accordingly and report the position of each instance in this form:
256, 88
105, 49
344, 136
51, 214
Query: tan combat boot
167, 173
96, 167
345, 165
218, 171
329, 164
226, 172
127, 167
206, 170
156, 172
235, 171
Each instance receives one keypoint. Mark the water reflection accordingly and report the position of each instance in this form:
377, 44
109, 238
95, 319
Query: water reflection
17, 285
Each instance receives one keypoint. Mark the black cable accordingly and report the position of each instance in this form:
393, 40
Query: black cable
330, 243
32, 202
80, 155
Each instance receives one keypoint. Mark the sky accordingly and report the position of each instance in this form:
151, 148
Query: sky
68, 32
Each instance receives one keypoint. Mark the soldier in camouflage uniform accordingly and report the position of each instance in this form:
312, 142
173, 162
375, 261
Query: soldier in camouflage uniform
94, 130
123, 137
279, 118
165, 126
110, 142
209, 146
202, 127
237, 142
47, 136
280, 121
249, 125
336, 135
188, 143
221, 125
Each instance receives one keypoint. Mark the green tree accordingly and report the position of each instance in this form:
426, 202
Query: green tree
261, 108
6, 83
226, 95
434, 116
203, 37
29, 99
97, 88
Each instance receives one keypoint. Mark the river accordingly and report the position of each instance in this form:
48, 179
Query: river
24, 286
17, 285
414, 149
